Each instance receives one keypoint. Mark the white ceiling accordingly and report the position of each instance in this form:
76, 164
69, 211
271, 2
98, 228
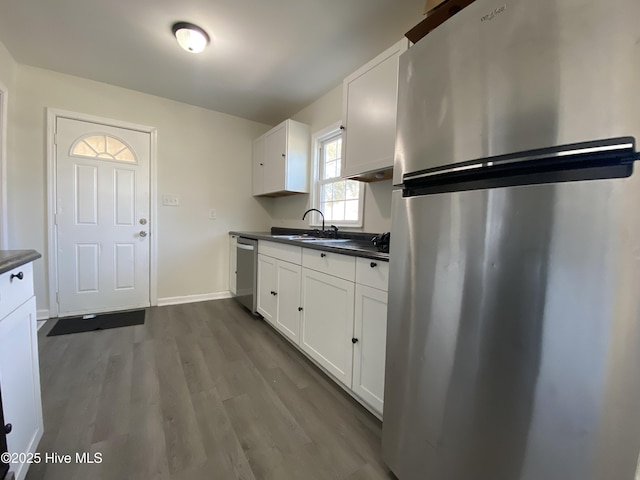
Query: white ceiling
268, 58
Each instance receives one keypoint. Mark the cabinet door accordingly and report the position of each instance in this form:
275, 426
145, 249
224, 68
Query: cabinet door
233, 242
258, 166
327, 322
267, 302
369, 114
288, 288
275, 149
20, 381
370, 331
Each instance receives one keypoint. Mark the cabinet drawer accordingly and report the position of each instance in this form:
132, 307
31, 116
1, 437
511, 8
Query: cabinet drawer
373, 273
288, 253
341, 266
15, 291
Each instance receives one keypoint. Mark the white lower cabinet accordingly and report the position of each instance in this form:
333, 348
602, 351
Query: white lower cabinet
334, 308
370, 338
279, 287
267, 303
233, 267
288, 299
327, 322
19, 366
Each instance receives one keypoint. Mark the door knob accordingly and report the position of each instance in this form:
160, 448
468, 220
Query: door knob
7, 428
143, 233
143, 221
354, 340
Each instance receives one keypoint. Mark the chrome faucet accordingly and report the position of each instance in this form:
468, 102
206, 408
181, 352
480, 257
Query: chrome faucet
315, 210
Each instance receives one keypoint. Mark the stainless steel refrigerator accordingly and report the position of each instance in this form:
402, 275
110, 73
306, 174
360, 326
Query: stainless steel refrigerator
513, 348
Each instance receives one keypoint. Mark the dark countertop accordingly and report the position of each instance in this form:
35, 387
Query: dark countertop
357, 244
10, 259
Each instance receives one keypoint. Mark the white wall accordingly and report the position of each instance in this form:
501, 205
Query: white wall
7, 67
203, 156
287, 211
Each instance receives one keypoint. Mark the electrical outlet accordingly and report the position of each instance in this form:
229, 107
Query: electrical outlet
170, 200
213, 214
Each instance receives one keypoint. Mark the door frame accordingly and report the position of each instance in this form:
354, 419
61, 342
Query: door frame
4, 106
52, 251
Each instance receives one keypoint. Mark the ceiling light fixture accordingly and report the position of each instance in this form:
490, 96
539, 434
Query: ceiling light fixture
190, 37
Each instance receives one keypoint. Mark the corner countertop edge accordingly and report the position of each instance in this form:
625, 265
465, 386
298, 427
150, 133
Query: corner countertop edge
10, 259
368, 252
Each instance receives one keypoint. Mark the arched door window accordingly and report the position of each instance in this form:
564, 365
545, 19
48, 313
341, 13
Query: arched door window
103, 146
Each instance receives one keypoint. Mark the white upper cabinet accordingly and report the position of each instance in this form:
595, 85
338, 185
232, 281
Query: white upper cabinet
281, 160
258, 166
275, 156
369, 116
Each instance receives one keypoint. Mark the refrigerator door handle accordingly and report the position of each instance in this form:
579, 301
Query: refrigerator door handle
621, 149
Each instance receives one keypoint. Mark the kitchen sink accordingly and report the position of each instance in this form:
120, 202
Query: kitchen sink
325, 240
306, 238
292, 237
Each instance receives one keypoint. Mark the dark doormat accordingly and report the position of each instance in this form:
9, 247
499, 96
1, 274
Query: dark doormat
101, 321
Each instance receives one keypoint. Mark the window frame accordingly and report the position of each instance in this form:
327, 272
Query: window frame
317, 139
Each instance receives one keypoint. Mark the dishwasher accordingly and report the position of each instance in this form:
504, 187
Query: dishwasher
247, 272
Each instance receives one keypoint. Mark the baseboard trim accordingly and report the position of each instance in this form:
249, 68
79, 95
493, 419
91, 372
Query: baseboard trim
204, 297
42, 314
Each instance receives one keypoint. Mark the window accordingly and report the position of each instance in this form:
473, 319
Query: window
339, 200
102, 146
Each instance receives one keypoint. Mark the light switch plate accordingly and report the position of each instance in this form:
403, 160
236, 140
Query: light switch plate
170, 200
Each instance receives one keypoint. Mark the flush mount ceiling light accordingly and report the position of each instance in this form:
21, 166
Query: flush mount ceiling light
190, 37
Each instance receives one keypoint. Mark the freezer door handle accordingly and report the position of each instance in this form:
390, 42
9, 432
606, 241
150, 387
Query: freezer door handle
602, 159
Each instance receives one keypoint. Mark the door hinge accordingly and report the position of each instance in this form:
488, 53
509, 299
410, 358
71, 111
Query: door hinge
55, 219
55, 139
57, 298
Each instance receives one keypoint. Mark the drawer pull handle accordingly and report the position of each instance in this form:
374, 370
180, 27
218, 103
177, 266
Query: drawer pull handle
373, 264
274, 293
322, 255
18, 275
299, 309
354, 340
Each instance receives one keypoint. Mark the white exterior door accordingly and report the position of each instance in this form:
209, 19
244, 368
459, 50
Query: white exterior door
101, 217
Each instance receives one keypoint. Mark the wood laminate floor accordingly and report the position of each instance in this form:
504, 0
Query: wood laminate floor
200, 391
